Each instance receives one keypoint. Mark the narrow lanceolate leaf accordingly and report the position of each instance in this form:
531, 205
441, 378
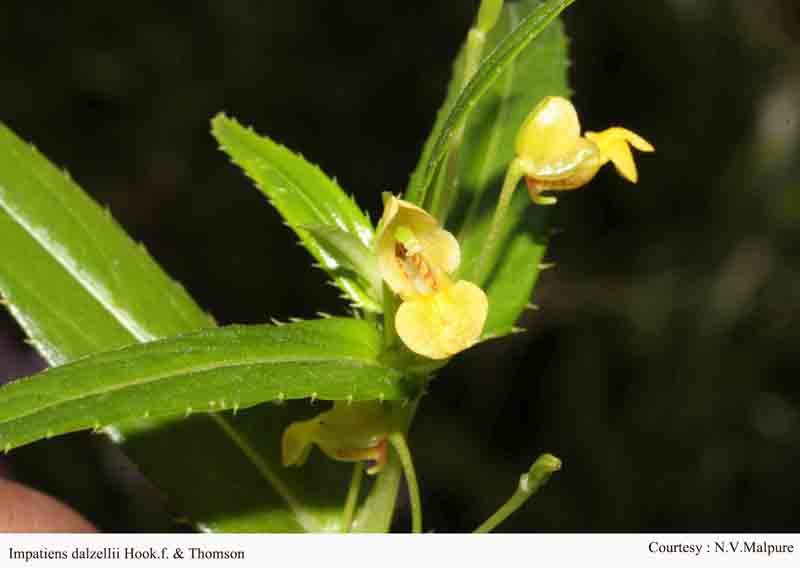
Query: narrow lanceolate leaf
538, 71
66, 267
78, 285
491, 68
352, 254
304, 196
212, 370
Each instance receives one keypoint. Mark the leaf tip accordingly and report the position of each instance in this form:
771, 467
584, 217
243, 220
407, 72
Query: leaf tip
218, 119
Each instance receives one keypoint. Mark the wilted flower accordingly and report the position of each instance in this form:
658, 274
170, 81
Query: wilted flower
350, 432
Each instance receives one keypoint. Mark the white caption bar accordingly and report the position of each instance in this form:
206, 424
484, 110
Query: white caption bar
388, 551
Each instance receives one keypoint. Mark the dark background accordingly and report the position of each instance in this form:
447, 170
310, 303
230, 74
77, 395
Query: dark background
663, 364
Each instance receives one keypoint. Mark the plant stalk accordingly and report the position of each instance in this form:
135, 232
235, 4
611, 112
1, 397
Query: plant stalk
476, 39
529, 484
398, 441
514, 173
352, 497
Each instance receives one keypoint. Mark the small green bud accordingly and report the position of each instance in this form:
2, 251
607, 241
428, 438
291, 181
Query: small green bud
539, 473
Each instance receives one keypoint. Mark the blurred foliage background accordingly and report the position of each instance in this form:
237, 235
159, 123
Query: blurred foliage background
663, 364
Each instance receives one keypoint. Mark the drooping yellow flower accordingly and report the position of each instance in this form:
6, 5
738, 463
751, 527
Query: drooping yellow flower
348, 432
555, 157
438, 318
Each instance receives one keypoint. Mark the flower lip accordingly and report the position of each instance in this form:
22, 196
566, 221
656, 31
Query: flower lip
614, 144
440, 325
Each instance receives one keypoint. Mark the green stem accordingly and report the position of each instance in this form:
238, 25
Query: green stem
476, 40
529, 484
398, 441
390, 304
352, 497
488, 14
440, 204
375, 515
514, 173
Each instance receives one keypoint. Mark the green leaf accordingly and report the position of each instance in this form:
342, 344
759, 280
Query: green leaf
488, 14
77, 284
414, 192
354, 256
242, 486
212, 370
71, 276
490, 69
305, 197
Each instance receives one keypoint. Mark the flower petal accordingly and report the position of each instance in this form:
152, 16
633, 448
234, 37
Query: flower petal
614, 145
442, 249
442, 324
297, 440
549, 141
439, 247
350, 431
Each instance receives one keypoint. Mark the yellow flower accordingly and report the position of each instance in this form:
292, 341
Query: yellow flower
350, 432
555, 157
438, 318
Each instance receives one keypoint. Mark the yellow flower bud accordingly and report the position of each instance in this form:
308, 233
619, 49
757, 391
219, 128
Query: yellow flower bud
438, 318
555, 157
